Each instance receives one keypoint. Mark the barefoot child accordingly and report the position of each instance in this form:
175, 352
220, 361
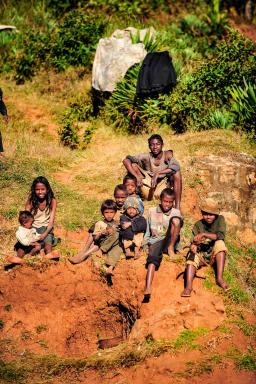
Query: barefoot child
27, 238
130, 183
106, 236
163, 227
42, 204
133, 226
120, 195
207, 245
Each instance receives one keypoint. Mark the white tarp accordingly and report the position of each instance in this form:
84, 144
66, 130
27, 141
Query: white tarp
114, 56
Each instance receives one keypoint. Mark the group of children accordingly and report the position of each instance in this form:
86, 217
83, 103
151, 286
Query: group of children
124, 230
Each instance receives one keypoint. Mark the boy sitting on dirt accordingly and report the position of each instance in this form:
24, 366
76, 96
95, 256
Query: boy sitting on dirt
106, 236
133, 226
207, 245
120, 195
163, 228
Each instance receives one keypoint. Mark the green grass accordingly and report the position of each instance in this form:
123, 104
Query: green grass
124, 355
187, 338
243, 361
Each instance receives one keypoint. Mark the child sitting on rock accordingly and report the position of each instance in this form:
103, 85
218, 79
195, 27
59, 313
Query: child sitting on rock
207, 245
120, 195
133, 226
130, 183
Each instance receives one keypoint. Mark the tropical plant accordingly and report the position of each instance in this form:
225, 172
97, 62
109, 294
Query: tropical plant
217, 19
244, 105
220, 119
244, 100
150, 41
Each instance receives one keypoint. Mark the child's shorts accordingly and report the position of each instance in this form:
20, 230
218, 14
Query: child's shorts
50, 239
25, 248
206, 255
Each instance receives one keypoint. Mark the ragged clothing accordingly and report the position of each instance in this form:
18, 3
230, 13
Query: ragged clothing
108, 243
138, 225
218, 227
148, 166
158, 223
147, 162
27, 236
208, 249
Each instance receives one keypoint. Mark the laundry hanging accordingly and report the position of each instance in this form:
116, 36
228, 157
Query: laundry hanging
157, 74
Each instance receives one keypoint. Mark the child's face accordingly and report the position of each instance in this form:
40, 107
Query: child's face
120, 197
28, 223
131, 212
208, 217
40, 190
130, 186
109, 214
155, 146
166, 203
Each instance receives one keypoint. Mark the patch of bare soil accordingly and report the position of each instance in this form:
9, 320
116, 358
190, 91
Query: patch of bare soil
36, 115
74, 239
65, 309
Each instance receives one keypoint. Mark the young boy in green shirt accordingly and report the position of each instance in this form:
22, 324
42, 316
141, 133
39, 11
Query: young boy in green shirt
207, 246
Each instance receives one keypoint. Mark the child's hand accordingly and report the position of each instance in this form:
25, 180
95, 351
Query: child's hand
154, 180
109, 230
126, 225
42, 237
193, 248
198, 238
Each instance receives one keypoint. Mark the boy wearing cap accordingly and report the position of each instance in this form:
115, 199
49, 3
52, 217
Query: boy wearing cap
207, 245
133, 226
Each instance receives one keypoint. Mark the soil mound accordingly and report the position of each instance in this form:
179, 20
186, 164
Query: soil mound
66, 309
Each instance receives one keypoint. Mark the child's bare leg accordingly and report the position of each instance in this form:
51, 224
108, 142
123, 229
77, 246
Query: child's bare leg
81, 256
220, 263
47, 248
190, 274
18, 259
149, 278
174, 233
35, 250
92, 249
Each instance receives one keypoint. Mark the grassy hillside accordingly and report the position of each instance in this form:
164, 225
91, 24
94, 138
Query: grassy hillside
81, 178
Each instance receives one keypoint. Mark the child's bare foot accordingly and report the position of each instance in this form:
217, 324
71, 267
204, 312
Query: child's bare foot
147, 295
186, 292
171, 253
221, 283
110, 271
129, 253
52, 255
137, 253
77, 258
15, 260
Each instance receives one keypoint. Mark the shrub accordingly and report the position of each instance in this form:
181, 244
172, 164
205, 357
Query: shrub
69, 132
209, 86
73, 43
220, 119
244, 104
80, 109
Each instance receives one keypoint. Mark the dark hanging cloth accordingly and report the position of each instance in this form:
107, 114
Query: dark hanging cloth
3, 109
157, 74
3, 112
